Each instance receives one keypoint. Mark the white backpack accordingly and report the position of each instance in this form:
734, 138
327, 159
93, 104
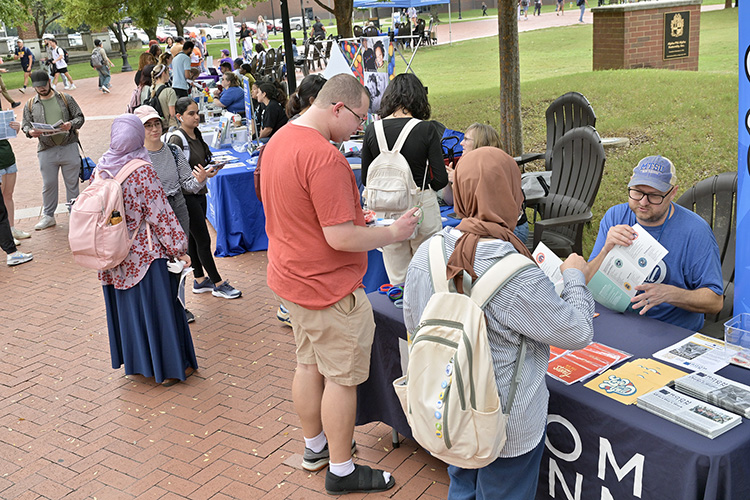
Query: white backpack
390, 183
96, 241
449, 393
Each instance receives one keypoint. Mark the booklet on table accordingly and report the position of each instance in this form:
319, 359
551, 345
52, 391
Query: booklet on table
574, 366
624, 268
636, 378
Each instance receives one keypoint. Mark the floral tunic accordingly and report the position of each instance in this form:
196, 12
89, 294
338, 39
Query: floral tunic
146, 205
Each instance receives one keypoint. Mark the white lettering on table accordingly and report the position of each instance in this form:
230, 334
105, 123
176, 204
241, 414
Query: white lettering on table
635, 464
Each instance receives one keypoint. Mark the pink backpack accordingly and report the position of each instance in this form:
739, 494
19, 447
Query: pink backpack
96, 239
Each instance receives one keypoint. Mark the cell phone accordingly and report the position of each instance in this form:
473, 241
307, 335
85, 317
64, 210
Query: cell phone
217, 165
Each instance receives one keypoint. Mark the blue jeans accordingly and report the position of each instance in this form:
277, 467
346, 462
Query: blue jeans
583, 9
522, 232
104, 76
505, 478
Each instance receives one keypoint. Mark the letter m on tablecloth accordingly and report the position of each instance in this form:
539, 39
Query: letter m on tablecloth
635, 463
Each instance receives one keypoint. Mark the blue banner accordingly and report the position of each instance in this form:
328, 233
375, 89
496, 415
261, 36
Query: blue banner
742, 260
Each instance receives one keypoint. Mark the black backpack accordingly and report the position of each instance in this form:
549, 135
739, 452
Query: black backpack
65, 55
153, 101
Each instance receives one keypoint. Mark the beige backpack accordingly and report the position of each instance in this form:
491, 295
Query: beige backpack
449, 393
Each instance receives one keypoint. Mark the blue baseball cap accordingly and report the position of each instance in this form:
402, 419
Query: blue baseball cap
655, 171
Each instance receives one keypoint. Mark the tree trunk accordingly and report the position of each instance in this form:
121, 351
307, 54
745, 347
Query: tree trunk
151, 33
510, 78
342, 9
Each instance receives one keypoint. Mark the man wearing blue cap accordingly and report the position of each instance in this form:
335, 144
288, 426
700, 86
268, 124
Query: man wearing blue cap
687, 283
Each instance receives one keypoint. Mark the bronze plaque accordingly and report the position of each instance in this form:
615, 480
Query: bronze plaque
676, 35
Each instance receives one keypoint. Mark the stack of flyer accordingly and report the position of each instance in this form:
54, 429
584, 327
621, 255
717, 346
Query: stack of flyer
716, 390
574, 366
691, 413
631, 380
696, 353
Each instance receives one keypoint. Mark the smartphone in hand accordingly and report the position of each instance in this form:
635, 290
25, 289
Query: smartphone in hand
216, 166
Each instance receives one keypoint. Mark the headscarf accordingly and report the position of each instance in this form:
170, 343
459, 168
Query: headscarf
126, 143
488, 198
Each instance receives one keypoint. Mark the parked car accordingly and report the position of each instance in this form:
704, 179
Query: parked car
211, 32
137, 34
162, 32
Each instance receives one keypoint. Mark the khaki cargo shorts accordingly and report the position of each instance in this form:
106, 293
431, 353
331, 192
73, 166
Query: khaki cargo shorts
337, 339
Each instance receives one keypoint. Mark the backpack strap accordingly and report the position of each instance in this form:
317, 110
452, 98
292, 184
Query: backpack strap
496, 276
437, 263
516, 380
383, 143
129, 168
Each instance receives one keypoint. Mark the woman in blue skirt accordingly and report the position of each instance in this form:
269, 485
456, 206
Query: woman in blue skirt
148, 330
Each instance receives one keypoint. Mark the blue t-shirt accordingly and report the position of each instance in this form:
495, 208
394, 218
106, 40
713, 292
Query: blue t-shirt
693, 260
180, 63
25, 54
234, 99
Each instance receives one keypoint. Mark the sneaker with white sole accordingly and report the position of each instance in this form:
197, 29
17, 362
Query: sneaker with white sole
283, 315
105, 90
189, 316
18, 234
226, 291
313, 462
17, 257
22, 90
204, 286
66, 87
44, 222
16, 242
72, 87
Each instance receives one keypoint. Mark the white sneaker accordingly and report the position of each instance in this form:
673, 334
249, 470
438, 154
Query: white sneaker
44, 222
18, 234
16, 258
16, 242
72, 87
105, 90
66, 87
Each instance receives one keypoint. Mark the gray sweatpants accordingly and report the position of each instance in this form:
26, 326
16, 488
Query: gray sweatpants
52, 160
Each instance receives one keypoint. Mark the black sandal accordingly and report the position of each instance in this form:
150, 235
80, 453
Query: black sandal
363, 480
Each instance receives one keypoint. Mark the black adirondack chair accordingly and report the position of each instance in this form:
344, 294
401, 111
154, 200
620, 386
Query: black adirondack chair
567, 112
715, 199
577, 167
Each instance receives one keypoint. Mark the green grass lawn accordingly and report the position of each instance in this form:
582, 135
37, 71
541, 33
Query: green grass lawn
690, 117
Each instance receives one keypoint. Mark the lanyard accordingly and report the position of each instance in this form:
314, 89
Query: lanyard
663, 226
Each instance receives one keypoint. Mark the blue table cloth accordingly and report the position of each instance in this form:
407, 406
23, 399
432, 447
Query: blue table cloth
234, 211
594, 443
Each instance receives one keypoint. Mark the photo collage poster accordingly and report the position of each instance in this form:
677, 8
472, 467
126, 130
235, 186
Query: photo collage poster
373, 64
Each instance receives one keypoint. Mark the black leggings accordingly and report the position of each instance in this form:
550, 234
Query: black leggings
199, 241
6, 237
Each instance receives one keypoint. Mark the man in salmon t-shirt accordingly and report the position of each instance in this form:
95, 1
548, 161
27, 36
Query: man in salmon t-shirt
316, 260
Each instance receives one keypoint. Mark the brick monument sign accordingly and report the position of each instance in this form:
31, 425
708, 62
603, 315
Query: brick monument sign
663, 34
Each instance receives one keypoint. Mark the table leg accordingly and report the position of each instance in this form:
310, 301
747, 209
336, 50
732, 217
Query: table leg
394, 438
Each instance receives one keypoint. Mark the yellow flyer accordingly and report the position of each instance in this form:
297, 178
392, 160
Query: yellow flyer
634, 379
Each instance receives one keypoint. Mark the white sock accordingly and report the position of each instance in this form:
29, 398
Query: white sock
317, 443
343, 469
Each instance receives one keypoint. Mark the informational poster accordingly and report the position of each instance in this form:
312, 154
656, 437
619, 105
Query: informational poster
742, 262
372, 61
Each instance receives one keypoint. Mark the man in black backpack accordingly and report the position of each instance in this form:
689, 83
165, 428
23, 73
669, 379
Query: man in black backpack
59, 61
58, 148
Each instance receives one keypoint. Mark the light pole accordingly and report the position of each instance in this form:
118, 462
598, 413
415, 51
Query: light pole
123, 49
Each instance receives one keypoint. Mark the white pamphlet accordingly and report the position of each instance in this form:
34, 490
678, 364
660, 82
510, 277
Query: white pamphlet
624, 268
6, 132
696, 353
550, 264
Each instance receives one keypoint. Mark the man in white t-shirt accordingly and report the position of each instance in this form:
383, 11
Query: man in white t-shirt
61, 67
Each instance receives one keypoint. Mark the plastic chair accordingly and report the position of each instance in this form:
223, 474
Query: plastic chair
577, 167
567, 112
358, 32
371, 31
715, 199
270, 61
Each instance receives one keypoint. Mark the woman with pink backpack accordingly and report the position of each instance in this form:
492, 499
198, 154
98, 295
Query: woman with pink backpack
148, 330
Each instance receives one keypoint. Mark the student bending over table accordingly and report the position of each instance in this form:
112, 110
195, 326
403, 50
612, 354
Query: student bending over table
488, 198
687, 283
404, 99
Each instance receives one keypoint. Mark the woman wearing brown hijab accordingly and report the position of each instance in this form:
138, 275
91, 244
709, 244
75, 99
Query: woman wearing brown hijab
488, 197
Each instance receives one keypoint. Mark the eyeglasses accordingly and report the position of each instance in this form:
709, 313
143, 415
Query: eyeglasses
361, 120
654, 199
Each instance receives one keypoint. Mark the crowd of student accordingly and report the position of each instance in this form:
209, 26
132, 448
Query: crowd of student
318, 241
